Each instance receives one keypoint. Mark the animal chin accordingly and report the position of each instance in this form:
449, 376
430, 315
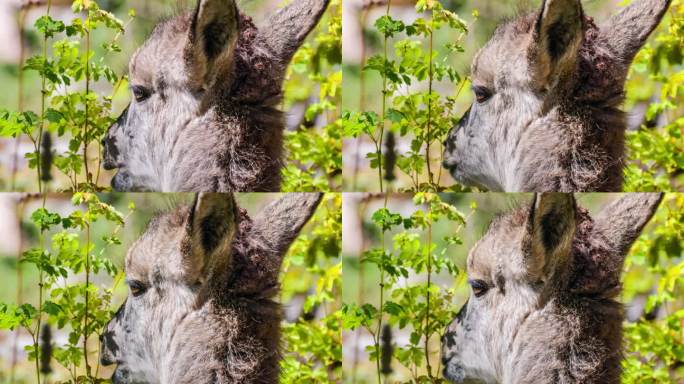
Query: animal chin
454, 372
121, 376
121, 182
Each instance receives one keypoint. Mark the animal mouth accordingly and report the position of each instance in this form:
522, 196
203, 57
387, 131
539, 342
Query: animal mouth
108, 163
450, 165
123, 376
453, 371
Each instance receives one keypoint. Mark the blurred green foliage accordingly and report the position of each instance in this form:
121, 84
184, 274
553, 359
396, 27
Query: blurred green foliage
313, 344
655, 269
656, 152
314, 161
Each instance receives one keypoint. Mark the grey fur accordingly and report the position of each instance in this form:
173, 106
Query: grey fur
211, 121
206, 313
553, 121
549, 314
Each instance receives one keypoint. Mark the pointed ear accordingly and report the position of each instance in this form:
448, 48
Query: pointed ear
212, 38
279, 223
556, 39
621, 221
550, 230
286, 30
626, 32
210, 228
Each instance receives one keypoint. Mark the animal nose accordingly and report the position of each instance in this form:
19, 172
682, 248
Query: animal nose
110, 153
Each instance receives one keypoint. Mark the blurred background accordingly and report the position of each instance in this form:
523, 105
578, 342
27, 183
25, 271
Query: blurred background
305, 265
653, 269
363, 89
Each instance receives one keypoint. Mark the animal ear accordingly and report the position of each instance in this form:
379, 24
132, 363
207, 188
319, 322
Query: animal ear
621, 222
212, 38
286, 30
279, 223
210, 226
556, 39
626, 32
550, 230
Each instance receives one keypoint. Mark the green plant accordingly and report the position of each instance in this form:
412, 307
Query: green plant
658, 152
67, 110
654, 342
79, 307
315, 154
313, 343
419, 308
424, 116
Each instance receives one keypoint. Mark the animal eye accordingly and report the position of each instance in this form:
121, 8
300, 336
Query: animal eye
479, 287
482, 94
136, 287
140, 93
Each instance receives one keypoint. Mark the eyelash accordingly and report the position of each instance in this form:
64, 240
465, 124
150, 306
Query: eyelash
136, 287
482, 94
479, 287
140, 93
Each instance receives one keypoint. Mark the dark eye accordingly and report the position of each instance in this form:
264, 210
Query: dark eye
140, 93
136, 287
479, 287
482, 94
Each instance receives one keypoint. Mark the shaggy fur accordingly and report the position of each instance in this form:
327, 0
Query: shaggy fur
206, 312
549, 314
213, 82
556, 82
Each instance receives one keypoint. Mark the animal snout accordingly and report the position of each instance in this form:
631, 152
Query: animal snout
450, 159
108, 348
110, 153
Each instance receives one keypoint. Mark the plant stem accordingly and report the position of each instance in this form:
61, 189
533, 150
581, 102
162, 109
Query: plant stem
87, 284
427, 293
428, 138
43, 95
87, 92
378, 147
382, 301
36, 333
